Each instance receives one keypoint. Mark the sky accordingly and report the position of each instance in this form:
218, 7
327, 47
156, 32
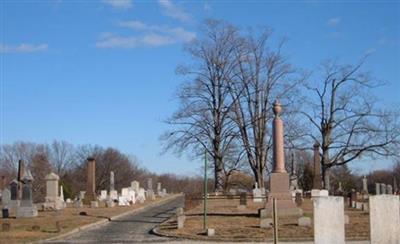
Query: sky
103, 72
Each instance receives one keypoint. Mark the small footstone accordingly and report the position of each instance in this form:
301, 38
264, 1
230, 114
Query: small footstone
266, 223
210, 232
181, 221
262, 213
94, 204
241, 207
5, 227
304, 221
36, 228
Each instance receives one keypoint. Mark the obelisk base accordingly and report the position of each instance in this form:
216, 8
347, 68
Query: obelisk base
279, 189
89, 197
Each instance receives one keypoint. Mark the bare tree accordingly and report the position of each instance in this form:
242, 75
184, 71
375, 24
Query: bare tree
345, 118
202, 122
61, 156
262, 75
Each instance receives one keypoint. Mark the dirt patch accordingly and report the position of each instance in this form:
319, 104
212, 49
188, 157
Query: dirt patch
232, 224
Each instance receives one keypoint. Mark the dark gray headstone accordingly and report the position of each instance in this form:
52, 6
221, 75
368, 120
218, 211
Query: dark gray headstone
243, 198
14, 190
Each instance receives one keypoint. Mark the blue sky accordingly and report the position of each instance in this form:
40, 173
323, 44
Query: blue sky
103, 72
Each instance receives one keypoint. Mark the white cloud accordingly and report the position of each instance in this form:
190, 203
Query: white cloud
119, 4
334, 21
171, 10
149, 36
22, 48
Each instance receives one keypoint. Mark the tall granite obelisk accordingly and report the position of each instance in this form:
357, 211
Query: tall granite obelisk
279, 179
90, 194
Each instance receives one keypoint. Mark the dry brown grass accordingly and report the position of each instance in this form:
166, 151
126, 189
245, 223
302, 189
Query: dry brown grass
230, 224
69, 219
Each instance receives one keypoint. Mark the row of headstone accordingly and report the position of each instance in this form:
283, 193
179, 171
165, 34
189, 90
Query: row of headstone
381, 188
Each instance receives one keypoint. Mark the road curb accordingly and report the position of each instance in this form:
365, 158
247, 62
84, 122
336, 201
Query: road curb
104, 221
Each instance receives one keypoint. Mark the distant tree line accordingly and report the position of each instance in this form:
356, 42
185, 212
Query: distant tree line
230, 83
69, 162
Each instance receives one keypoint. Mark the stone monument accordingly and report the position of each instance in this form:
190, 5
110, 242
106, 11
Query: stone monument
365, 185
26, 208
21, 173
90, 194
279, 180
112, 184
317, 183
52, 199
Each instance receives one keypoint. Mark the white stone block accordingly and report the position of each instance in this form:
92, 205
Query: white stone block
94, 204
103, 195
304, 221
266, 223
210, 232
329, 220
359, 205
114, 195
384, 219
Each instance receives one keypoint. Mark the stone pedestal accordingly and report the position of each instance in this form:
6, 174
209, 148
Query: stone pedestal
26, 211
279, 189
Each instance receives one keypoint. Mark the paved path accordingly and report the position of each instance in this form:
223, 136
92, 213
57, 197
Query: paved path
135, 227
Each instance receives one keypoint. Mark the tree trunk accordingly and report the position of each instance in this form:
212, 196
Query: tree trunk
218, 175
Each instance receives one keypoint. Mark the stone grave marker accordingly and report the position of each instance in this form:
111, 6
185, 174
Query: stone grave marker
6, 198
389, 190
384, 219
52, 200
90, 194
329, 220
377, 189
103, 195
135, 186
26, 209
383, 188
112, 188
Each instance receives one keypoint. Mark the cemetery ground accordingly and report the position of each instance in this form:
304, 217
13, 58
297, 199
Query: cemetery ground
232, 224
50, 224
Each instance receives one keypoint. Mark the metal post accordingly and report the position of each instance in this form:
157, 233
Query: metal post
275, 215
205, 191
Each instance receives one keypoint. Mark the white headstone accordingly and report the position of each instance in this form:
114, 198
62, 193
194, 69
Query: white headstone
114, 195
135, 186
123, 201
384, 218
257, 194
103, 195
141, 195
329, 220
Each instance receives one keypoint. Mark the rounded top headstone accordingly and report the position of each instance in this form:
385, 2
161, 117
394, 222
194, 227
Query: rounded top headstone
277, 108
52, 176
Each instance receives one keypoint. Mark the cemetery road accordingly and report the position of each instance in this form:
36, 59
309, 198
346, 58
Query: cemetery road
135, 227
